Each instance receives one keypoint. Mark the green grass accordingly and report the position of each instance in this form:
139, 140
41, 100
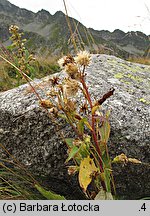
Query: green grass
17, 183
43, 67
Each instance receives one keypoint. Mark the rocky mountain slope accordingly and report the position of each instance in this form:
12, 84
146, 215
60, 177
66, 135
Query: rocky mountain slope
50, 33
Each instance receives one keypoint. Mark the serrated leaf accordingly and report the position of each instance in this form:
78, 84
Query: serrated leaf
86, 171
48, 194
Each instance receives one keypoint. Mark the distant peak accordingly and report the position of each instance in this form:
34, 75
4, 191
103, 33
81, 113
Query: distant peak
4, 2
118, 31
43, 12
43, 15
59, 13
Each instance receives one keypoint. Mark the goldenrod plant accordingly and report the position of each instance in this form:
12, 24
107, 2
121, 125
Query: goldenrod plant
88, 149
69, 98
21, 56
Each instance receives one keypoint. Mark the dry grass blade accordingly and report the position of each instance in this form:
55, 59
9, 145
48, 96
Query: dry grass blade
15, 180
69, 26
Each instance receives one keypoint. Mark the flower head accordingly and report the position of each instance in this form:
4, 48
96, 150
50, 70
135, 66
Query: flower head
65, 60
71, 68
72, 71
83, 58
70, 105
13, 28
54, 81
70, 87
61, 62
46, 104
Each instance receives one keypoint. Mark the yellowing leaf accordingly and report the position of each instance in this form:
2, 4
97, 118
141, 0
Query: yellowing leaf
94, 109
88, 125
46, 103
105, 132
122, 158
87, 170
135, 161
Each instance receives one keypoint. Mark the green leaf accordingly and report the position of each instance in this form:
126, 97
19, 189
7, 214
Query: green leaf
105, 132
84, 150
48, 194
107, 171
103, 195
26, 54
81, 124
62, 116
145, 198
107, 114
72, 153
69, 142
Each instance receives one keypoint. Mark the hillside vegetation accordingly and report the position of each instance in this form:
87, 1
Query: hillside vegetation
50, 34
48, 37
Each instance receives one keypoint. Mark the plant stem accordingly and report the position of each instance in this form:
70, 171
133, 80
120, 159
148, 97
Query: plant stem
93, 127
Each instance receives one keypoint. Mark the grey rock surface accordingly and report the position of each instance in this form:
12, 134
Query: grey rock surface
35, 140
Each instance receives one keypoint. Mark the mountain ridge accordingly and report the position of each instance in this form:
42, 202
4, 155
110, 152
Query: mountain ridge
52, 33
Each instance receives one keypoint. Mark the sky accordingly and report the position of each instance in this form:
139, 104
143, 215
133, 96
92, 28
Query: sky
126, 15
